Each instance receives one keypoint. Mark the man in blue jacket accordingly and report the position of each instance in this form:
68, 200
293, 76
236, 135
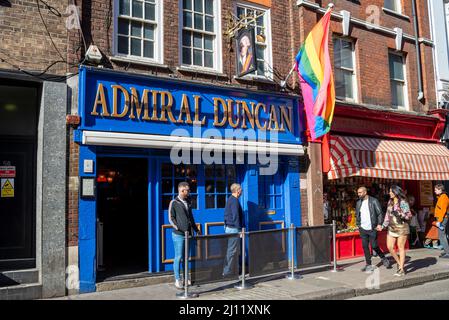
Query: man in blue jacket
233, 220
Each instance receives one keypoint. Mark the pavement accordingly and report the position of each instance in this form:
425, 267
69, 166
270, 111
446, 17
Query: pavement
422, 266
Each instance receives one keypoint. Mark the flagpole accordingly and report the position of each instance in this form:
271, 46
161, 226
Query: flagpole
330, 6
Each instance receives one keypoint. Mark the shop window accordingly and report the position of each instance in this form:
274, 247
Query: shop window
139, 29
397, 81
262, 31
218, 181
344, 64
172, 175
270, 191
200, 34
394, 5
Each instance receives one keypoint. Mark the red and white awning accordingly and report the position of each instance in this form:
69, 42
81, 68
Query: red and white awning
387, 159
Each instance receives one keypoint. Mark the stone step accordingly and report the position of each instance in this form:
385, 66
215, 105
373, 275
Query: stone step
135, 282
17, 277
28, 291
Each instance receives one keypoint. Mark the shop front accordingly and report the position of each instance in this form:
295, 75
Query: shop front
379, 149
140, 136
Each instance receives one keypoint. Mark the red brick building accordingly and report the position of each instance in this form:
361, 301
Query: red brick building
372, 45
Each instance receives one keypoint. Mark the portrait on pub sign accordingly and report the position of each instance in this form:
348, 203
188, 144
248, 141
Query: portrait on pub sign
246, 52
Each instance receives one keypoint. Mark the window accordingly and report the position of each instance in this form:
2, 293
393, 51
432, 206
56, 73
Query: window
394, 5
200, 30
139, 29
270, 191
172, 175
345, 81
397, 80
263, 32
219, 179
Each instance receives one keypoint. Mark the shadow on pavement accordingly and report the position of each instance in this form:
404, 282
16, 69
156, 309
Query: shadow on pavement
415, 265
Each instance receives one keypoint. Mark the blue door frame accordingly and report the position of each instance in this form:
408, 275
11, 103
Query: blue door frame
247, 176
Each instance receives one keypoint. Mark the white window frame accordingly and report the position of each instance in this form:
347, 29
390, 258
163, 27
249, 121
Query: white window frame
268, 58
398, 5
405, 87
158, 35
218, 55
355, 97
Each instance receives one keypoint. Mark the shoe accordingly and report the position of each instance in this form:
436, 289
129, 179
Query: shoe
386, 263
368, 268
446, 256
178, 284
399, 273
427, 246
438, 247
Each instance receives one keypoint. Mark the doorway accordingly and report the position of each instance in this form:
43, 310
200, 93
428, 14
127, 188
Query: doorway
18, 145
122, 217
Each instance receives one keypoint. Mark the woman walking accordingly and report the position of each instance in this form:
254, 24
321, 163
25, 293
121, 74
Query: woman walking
397, 220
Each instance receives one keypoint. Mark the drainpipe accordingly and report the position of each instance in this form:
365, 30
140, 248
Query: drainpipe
418, 52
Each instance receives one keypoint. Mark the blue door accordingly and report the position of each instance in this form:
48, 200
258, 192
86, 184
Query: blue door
209, 190
271, 194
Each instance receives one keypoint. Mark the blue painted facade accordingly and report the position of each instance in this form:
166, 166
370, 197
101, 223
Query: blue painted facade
268, 201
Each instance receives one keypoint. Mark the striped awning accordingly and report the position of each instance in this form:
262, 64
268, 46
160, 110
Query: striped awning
387, 159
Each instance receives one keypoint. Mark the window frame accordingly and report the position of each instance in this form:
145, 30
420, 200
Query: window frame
268, 58
398, 5
158, 34
226, 179
175, 181
404, 81
355, 97
217, 52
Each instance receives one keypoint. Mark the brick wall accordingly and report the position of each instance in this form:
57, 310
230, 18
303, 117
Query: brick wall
372, 49
24, 41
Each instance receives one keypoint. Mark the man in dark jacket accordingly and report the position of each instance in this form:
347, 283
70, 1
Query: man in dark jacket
233, 220
181, 218
369, 220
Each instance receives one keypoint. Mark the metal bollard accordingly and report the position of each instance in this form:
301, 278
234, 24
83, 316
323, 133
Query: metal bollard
186, 294
243, 285
334, 244
292, 275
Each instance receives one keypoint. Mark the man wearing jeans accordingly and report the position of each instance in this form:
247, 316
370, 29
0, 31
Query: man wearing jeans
369, 220
233, 220
181, 218
441, 216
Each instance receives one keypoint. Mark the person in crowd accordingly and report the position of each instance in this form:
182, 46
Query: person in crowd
431, 233
414, 224
423, 216
233, 220
181, 219
369, 219
441, 217
397, 220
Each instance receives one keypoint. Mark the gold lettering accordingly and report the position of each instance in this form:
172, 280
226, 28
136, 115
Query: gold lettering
273, 119
154, 116
286, 118
247, 114
231, 113
102, 101
166, 106
115, 98
257, 116
225, 112
137, 105
185, 109
197, 110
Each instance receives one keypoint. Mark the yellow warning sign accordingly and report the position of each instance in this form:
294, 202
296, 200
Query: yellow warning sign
7, 186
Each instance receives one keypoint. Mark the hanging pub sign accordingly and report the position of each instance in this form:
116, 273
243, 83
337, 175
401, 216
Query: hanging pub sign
246, 51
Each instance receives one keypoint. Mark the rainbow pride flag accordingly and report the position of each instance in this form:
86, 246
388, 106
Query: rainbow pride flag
315, 73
